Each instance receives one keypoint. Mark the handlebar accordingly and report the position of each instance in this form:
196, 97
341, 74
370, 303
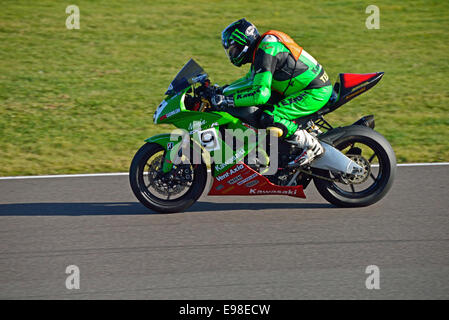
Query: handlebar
206, 90
203, 95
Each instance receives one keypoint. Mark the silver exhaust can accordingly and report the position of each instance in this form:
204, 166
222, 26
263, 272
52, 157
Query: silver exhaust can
334, 160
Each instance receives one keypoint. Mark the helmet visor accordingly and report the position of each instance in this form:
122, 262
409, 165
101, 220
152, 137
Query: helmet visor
236, 52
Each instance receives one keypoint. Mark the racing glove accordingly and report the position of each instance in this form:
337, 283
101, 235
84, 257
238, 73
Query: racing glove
218, 89
220, 101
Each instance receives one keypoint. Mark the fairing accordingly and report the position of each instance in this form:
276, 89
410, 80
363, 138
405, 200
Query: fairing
188, 75
241, 180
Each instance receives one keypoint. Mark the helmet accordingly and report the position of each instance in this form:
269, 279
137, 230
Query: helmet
238, 39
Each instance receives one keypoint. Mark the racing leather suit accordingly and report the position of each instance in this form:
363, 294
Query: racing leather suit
282, 68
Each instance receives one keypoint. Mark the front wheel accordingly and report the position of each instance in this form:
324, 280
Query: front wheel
169, 192
373, 152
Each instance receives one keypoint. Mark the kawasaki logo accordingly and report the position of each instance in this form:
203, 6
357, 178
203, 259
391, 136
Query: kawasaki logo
249, 94
237, 155
286, 192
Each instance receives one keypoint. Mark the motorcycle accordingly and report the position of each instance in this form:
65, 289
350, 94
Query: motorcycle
170, 171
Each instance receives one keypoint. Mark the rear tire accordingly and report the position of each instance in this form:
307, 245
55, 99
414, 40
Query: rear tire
373, 140
150, 200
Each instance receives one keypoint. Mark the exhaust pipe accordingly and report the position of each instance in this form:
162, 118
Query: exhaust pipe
334, 160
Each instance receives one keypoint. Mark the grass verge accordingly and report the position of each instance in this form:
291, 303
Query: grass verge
76, 101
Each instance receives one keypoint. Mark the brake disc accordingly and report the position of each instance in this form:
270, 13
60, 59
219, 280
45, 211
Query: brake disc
171, 183
359, 178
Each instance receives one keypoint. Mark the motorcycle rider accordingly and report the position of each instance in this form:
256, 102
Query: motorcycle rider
278, 67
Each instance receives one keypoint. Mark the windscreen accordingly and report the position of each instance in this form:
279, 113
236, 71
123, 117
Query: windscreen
187, 76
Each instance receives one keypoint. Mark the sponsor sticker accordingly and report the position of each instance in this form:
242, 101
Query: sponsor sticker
230, 172
349, 96
197, 124
235, 179
247, 179
237, 155
172, 113
252, 183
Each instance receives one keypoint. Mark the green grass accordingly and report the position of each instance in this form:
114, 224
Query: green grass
82, 100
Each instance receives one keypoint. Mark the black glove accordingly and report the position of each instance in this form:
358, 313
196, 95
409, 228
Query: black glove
218, 89
220, 101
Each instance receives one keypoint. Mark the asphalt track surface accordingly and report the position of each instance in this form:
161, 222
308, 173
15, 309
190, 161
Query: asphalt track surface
264, 247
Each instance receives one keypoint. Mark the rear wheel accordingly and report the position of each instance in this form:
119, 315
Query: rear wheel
373, 152
169, 192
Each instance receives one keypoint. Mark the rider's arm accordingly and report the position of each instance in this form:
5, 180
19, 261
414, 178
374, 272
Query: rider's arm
264, 67
243, 80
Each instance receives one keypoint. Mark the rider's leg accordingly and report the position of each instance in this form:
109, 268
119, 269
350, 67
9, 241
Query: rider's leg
297, 106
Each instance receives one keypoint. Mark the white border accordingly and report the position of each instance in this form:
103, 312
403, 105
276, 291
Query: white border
126, 173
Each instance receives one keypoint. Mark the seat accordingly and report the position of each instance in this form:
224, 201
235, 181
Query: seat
249, 115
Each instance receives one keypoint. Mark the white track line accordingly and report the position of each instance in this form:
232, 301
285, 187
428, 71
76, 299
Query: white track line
126, 173
423, 164
68, 176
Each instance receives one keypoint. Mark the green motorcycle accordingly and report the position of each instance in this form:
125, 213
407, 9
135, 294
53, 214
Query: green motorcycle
170, 171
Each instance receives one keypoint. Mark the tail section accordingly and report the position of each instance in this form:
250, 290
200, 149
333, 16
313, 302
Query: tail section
349, 86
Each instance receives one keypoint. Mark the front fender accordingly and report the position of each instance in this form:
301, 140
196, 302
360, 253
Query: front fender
171, 146
163, 139
172, 143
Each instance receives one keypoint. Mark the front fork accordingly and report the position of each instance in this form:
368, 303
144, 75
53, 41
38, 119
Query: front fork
171, 148
173, 154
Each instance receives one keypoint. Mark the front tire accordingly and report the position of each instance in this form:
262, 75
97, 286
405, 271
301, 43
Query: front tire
143, 181
360, 139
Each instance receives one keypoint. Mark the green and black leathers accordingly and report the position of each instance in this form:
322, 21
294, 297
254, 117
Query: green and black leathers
302, 84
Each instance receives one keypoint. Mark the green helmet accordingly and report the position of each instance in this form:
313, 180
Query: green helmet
238, 40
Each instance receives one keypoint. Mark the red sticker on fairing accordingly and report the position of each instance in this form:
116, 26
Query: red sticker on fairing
250, 182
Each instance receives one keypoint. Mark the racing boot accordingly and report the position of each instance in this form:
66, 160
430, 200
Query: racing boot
311, 146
